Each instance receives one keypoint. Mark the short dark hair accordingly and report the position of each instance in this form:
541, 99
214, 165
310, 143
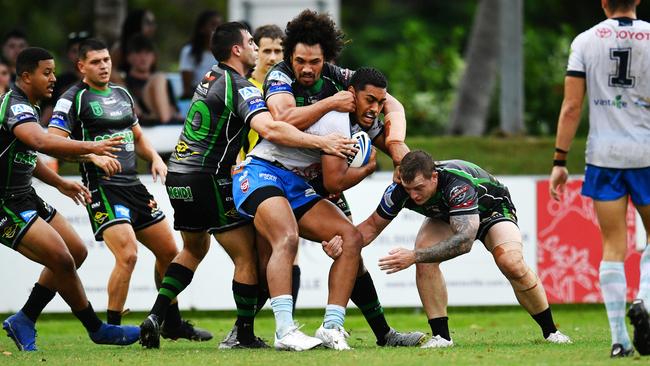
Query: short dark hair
14, 33
414, 163
368, 75
28, 59
268, 31
620, 4
224, 37
139, 43
312, 28
90, 44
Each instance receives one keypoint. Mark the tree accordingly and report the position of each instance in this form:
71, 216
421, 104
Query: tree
475, 91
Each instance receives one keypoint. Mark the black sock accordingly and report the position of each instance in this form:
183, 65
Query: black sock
176, 279
246, 301
173, 316
545, 321
440, 326
88, 318
37, 300
262, 296
364, 296
295, 284
113, 317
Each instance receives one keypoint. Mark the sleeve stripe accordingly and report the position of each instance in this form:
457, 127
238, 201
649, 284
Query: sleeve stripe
266, 97
381, 212
577, 74
464, 209
250, 116
60, 128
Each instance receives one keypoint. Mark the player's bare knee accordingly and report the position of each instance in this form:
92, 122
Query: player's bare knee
352, 241
79, 254
287, 243
127, 260
512, 265
61, 262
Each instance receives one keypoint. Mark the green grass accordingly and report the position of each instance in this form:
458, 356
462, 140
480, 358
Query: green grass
487, 336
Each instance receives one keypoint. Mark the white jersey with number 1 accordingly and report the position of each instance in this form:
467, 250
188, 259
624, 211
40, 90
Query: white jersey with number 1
614, 57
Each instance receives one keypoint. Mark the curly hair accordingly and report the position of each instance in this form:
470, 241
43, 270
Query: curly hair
312, 28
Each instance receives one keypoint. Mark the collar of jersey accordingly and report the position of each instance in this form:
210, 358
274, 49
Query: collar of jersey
317, 86
104, 93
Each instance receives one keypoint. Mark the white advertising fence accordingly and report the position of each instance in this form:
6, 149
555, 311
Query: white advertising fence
472, 279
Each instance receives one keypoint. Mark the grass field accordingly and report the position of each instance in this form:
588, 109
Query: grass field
483, 336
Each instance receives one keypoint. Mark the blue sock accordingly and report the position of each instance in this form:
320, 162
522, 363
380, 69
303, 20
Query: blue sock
282, 309
334, 316
644, 282
614, 286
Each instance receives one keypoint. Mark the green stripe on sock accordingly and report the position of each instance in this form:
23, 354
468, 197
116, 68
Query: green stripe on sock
173, 282
165, 292
246, 313
245, 300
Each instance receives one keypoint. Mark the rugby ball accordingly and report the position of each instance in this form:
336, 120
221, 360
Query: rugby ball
364, 146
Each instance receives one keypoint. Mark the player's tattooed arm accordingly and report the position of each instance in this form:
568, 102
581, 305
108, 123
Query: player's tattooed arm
464, 229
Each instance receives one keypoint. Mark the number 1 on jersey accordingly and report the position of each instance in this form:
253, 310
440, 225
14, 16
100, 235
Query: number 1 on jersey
623, 58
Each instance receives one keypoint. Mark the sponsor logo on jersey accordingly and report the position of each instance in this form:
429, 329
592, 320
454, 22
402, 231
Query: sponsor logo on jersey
603, 32
617, 102
57, 122
457, 194
232, 213
100, 217
276, 75
122, 212
267, 176
3, 221
180, 193
277, 86
126, 135
310, 192
10, 232
25, 116
63, 106
243, 175
28, 215
17, 109
115, 113
244, 186
388, 195
25, 158
643, 102
627, 34
97, 109
250, 92
182, 151
109, 101
95, 205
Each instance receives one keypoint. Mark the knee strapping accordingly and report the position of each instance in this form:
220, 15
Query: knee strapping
511, 262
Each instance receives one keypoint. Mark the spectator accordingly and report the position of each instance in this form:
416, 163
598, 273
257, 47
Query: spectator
5, 77
196, 58
139, 21
153, 94
12, 43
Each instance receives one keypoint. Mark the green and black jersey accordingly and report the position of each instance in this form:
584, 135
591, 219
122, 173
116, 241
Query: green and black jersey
89, 114
217, 123
17, 160
463, 189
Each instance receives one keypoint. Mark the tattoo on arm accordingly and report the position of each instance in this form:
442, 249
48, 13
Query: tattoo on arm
460, 242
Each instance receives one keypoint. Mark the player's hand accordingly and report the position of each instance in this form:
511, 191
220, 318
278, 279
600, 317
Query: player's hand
75, 190
334, 247
158, 169
107, 147
557, 182
371, 166
109, 165
397, 260
335, 144
343, 101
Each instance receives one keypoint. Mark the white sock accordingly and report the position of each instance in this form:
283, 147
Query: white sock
614, 286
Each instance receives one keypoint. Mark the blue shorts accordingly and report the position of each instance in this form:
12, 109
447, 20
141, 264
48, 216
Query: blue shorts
609, 184
254, 174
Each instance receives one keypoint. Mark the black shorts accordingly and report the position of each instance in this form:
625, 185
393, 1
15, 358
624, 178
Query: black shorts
18, 213
203, 202
115, 204
505, 211
337, 199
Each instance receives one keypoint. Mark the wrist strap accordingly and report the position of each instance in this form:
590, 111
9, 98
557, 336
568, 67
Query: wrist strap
561, 151
559, 162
